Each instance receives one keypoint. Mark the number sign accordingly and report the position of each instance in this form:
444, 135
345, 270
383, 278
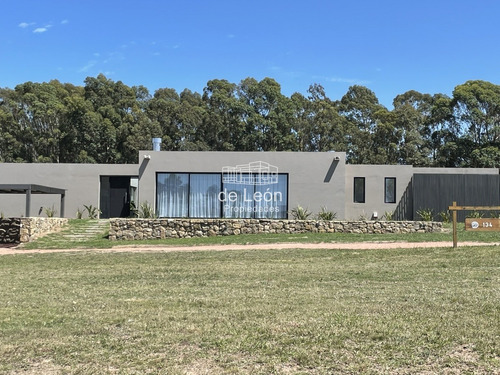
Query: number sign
479, 225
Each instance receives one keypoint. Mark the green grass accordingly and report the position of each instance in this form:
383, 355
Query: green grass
252, 312
52, 241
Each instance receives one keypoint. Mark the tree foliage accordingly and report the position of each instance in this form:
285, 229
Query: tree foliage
109, 122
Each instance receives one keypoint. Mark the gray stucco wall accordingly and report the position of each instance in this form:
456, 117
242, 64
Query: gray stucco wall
315, 179
374, 189
81, 182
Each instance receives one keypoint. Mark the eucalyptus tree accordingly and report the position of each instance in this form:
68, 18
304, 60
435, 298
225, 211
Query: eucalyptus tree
223, 128
476, 108
413, 122
10, 142
163, 109
79, 131
318, 125
385, 139
329, 128
301, 121
445, 142
36, 111
267, 115
360, 107
137, 129
192, 115
113, 103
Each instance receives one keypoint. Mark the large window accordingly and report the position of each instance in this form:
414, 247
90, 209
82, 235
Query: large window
188, 195
390, 190
206, 195
359, 190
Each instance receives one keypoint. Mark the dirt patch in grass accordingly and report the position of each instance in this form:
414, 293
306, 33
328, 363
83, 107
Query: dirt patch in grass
367, 245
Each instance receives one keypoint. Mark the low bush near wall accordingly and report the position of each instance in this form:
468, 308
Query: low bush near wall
142, 229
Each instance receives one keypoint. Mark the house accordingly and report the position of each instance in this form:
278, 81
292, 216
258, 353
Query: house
199, 184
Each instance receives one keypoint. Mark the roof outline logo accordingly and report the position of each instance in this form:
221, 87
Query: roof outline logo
253, 173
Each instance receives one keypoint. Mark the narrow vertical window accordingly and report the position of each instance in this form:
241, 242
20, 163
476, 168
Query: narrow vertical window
390, 190
359, 190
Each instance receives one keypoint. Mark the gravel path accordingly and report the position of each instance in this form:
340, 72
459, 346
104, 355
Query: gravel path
319, 246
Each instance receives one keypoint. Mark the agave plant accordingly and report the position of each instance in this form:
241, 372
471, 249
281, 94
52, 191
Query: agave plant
300, 213
324, 214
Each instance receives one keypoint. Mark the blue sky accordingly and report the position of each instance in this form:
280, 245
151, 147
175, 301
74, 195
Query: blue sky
388, 46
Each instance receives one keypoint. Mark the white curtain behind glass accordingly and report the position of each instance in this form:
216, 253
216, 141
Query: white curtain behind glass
204, 192
172, 195
240, 206
276, 207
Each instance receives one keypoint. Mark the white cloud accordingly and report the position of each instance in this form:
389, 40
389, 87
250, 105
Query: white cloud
39, 30
277, 69
88, 66
24, 25
351, 81
64, 22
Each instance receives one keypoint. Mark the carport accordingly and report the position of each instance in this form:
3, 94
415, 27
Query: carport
29, 189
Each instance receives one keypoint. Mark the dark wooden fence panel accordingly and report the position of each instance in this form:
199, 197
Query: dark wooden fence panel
438, 191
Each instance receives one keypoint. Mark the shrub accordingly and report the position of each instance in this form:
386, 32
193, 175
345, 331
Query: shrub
300, 213
475, 215
389, 215
146, 211
50, 212
324, 214
92, 211
133, 210
445, 216
79, 213
426, 214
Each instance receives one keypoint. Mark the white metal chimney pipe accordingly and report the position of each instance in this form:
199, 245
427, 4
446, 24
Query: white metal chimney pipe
156, 144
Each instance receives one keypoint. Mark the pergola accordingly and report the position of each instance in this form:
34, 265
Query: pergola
29, 189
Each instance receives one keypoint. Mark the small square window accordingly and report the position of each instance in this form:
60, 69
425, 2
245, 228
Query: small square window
390, 190
359, 190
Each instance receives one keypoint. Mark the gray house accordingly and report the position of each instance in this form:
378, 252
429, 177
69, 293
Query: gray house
182, 184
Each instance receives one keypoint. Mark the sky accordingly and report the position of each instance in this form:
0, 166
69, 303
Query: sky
388, 46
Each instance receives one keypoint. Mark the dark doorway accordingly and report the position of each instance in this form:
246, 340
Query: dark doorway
115, 196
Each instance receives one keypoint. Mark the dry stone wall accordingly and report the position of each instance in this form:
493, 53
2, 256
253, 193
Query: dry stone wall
139, 229
25, 229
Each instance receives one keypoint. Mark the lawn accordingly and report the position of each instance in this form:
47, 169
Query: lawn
252, 312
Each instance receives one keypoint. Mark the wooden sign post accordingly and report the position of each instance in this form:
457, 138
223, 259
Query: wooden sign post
474, 224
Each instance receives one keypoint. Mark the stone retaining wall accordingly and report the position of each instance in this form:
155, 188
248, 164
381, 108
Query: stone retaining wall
139, 229
25, 229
